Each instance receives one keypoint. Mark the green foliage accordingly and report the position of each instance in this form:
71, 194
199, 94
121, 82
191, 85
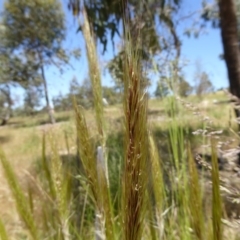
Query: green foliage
111, 95
204, 85
184, 87
115, 155
62, 103
116, 69
162, 89
99, 13
157, 184
31, 100
84, 96
165, 86
32, 39
105, 16
37, 25
33, 35
82, 93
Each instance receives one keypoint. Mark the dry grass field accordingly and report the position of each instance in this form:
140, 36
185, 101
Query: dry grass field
21, 139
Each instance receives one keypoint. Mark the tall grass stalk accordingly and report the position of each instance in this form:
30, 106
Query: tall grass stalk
95, 75
46, 170
179, 190
95, 175
3, 232
176, 136
105, 210
158, 186
135, 164
60, 184
196, 209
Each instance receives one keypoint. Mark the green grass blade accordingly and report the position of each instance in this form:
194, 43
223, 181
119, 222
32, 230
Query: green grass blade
46, 169
94, 174
216, 197
196, 210
158, 183
20, 199
3, 232
86, 152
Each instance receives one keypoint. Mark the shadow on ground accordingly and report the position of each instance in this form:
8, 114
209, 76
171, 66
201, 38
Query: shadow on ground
36, 122
5, 139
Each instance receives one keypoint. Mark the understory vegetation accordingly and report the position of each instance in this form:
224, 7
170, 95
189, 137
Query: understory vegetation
184, 198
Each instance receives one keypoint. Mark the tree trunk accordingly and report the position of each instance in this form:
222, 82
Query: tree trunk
7, 92
5, 120
229, 32
230, 40
9, 100
8, 112
50, 111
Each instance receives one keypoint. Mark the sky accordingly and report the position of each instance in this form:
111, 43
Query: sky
205, 49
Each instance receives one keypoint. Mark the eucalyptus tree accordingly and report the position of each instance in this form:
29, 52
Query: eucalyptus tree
5, 90
230, 38
162, 89
34, 35
143, 17
225, 14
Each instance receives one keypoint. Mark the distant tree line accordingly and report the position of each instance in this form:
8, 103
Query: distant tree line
84, 97
32, 34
